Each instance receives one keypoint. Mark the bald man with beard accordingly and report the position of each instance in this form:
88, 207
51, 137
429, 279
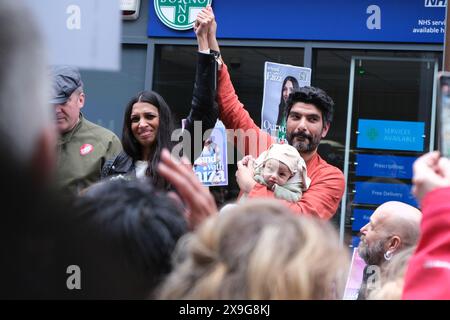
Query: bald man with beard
393, 226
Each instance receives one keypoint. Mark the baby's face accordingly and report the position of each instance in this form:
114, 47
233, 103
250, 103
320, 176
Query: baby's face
275, 171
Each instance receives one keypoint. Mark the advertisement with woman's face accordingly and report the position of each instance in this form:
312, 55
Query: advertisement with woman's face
280, 80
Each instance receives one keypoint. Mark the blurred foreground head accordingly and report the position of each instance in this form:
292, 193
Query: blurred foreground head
115, 243
26, 124
130, 231
260, 250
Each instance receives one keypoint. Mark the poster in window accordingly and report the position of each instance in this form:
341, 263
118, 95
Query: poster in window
279, 81
211, 166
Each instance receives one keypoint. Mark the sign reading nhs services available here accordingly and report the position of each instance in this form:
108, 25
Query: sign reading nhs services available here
409, 21
179, 14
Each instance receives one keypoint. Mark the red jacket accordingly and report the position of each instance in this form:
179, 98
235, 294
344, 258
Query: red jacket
327, 182
428, 274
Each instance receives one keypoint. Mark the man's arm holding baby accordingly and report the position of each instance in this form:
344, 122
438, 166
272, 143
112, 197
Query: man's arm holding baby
321, 199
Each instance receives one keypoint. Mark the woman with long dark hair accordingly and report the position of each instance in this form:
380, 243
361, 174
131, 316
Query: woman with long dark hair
290, 84
148, 121
147, 128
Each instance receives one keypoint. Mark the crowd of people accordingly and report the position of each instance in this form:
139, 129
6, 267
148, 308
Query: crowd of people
132, 215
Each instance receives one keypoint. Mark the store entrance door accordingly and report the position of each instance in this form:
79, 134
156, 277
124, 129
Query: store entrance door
390, 122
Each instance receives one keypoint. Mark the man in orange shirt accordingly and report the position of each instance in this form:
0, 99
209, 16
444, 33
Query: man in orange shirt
309, 115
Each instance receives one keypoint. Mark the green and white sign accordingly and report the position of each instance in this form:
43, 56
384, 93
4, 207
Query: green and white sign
179, 14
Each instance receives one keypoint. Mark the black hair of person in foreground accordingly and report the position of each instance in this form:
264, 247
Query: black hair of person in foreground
138, 228
120, 235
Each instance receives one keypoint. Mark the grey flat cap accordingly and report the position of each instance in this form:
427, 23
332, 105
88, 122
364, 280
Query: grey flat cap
65, 80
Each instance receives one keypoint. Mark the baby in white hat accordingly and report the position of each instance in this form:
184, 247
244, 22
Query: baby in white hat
283, 170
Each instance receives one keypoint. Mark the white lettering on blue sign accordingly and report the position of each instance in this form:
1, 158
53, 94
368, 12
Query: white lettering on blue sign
374, 20
435, 3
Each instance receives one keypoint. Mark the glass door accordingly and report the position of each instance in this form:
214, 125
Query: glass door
390, 122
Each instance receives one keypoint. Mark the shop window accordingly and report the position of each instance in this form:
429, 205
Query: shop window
392, 94
174, 79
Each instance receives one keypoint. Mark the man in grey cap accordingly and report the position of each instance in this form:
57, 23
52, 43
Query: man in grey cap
83, 147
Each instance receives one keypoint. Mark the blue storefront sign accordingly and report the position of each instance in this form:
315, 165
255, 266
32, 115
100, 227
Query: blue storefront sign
413, 21
390, 135
378, 193
386, 166
361, 217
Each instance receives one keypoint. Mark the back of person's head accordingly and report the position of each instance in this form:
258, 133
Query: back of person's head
401, 221
260, 250
392, 277
316, 97
24, 84
163, 138
404, 220
129, 232
120, 235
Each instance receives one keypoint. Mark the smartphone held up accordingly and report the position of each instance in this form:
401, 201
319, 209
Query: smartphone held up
444, 113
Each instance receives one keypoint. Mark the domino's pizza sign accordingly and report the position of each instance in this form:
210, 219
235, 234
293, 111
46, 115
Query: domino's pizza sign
179, 14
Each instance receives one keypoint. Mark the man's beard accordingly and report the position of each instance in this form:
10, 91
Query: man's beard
372, 255
309, 143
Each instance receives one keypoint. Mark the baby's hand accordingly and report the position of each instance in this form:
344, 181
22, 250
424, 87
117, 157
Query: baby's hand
248, 159
244, 177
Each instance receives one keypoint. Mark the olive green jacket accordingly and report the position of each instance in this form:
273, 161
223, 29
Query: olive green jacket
82, 153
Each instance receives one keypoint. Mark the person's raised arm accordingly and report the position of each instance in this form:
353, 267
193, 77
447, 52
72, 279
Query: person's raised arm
232, 111
212, 39
204, 110
428, 273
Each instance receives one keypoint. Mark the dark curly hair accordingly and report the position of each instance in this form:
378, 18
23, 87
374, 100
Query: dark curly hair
316, 97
